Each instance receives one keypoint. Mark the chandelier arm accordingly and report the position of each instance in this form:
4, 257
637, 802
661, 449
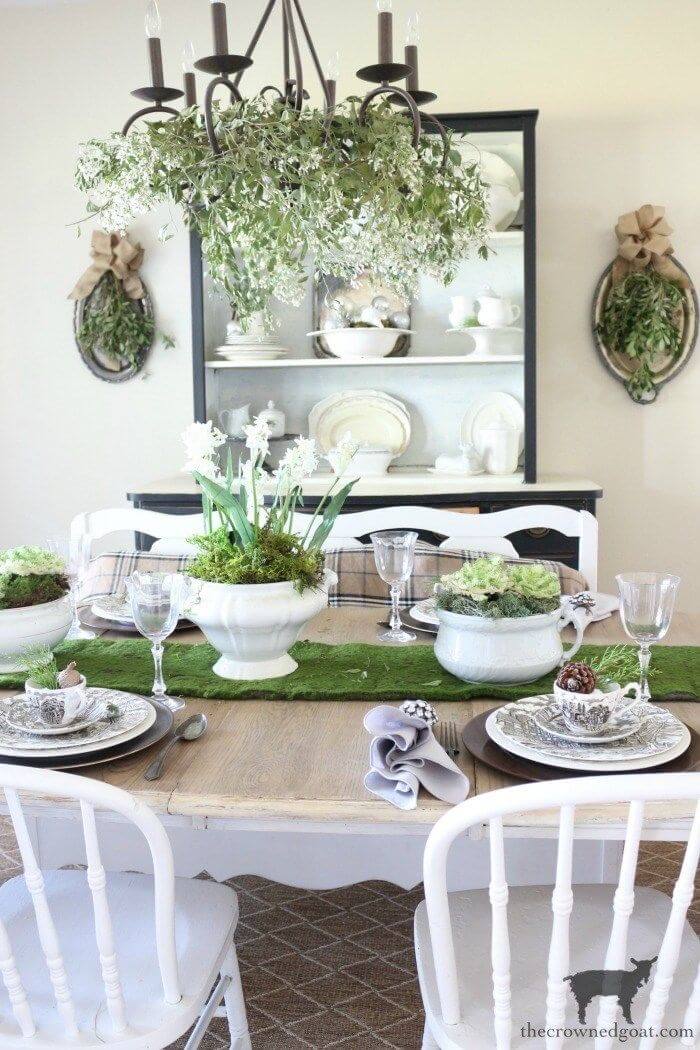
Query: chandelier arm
314, 54
144, 112
272, 87
443, 134
389, 89
296, 54
255, 37
209, 112
285, 47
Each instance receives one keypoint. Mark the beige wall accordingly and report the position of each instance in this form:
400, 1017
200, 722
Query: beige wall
617, 86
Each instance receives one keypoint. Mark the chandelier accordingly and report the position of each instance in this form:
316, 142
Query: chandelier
227, 69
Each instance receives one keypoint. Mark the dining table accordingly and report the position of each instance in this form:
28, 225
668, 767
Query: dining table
276, 789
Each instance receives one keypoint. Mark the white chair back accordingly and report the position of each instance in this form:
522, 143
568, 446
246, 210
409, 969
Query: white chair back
491, 808
473, 531
171, 531
89, 794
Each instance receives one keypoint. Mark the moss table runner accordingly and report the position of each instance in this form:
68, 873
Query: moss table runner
332, 672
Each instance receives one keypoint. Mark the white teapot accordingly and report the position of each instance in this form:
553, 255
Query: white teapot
494, 311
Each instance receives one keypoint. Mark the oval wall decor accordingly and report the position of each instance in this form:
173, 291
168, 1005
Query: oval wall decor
102, 361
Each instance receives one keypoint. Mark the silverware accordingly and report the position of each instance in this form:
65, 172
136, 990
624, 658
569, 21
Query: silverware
409, 627
191, 729
448, 738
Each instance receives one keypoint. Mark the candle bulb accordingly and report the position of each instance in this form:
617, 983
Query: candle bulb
218, 21
386, 43
188, 79
155, 55
411, 51
332, 74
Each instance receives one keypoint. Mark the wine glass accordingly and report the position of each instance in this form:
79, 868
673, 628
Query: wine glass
157, 600
393, 556
76, 556
646, 607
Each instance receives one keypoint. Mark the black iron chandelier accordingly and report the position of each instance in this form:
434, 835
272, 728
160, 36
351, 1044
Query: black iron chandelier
227, 69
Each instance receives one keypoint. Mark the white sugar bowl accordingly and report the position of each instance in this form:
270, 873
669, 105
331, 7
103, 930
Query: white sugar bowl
275, 419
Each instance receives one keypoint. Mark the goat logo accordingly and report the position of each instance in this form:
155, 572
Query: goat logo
623, 984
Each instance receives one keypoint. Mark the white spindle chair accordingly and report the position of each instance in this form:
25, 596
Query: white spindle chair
91, 958
536, 938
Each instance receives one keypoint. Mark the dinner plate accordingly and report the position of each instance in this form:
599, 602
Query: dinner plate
370, 416
159, 731
488, 409
510, 726
425, 612
115, 607
137, 715
97, 623
251, 353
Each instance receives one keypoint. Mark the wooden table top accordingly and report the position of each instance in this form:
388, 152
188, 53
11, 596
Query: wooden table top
306, 760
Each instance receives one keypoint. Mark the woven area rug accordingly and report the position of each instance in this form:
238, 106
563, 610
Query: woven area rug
333, 672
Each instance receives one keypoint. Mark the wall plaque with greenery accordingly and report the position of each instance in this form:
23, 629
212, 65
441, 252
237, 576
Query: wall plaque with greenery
645, 309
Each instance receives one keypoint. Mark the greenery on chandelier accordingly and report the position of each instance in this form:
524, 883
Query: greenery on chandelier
289, 186
643, 319
30, 576
489, 587
116, 326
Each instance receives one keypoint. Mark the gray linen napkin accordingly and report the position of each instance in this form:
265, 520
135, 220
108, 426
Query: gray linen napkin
404, 755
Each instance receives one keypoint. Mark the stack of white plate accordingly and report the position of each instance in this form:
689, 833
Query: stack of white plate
249, 353
641, 736
371, 417
115, 719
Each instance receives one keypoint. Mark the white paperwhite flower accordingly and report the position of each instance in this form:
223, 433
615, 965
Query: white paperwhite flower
344, 452
298, 462
252, 479
202, 442
257, 437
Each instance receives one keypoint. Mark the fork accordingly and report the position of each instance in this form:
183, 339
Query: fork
447, 737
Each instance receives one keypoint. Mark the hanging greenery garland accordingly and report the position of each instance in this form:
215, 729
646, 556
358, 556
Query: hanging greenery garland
289, 186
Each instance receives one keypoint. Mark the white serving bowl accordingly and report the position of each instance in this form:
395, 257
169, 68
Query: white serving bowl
20, 629
368, 462
361, 343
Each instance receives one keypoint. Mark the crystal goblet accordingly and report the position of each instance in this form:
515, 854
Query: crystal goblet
393, 556
157, 601
646, 607
76, 556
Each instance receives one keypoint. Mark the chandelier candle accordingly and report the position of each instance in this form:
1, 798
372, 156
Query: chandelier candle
155, 54
386, 32
411, 51
188, 81
332, 74
218, 21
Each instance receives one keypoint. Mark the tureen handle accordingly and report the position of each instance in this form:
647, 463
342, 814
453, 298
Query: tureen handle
579, 628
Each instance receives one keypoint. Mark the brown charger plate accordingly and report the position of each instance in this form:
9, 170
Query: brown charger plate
481, 746
160, 728
98, 623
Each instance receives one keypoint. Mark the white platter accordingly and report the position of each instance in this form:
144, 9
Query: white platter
138, 715
251, 353
498, 172
486, 410
370, 416
544, 752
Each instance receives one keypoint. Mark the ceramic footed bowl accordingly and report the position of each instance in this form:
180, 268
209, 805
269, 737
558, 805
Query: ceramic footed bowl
253, 625
585, 713
59, 707
21, 629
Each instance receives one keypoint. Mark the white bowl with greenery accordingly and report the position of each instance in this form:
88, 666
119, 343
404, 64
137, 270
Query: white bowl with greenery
500, 623
35, 603
256, 583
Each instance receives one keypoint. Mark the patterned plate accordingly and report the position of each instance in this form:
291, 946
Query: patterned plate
550, 719
514, 728
26, 719
113, 607
136, 715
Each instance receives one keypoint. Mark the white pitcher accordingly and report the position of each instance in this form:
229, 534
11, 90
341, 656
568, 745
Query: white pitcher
495, 312
462, 309
234, 419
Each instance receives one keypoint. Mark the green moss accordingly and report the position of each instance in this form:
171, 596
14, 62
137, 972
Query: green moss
272, 558
18, 592
510, 604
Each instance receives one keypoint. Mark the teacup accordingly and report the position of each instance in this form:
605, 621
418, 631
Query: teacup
585, 713
59, 707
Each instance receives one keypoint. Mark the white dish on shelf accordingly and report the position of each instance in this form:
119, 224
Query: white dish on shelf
498, 172
488, 410
370, 416
361, 344
491, 342
262, 352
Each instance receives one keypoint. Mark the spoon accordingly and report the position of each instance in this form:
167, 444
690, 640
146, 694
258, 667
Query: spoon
191, 729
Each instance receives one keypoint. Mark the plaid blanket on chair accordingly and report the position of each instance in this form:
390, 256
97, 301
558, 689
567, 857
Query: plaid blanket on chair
359, 582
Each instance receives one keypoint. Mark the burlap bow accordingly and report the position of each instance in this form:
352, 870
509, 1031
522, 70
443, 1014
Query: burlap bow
111, 251
643, 238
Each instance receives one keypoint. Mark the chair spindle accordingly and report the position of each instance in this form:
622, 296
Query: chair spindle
562, 905
500, 943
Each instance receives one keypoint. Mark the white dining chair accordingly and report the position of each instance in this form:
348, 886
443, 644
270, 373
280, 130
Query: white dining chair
90, 958
171, 531
537, 938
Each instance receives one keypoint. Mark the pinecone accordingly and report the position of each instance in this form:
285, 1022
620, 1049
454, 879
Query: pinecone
577, 678
420, 709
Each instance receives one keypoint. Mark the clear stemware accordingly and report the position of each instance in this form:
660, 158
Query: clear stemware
76, 556
646, 608
393, 556
157, 600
